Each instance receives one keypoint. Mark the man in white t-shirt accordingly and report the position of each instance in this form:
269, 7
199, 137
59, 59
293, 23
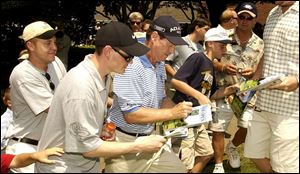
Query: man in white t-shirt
33, 82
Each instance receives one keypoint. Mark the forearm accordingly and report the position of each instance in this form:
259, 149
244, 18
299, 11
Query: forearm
148, 115
218, 65
170, 70
111, 149
22, 160
222, 92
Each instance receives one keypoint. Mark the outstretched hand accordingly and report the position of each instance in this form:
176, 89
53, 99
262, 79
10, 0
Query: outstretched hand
42, 156
150, 144
288, 84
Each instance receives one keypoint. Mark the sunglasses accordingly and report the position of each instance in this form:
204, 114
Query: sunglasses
135, 22
241, 17
51, 84
128, 58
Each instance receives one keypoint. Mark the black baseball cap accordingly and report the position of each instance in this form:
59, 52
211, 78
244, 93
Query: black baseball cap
169, 28
119, 35
247, 7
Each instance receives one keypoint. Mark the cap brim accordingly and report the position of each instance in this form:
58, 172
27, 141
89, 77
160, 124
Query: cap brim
225, 41
47, 35
137, 49
249, 12
176, 40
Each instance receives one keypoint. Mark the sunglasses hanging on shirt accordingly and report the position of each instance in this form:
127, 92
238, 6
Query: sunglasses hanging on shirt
51, 84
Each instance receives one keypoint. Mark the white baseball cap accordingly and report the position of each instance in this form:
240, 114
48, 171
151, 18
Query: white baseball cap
217, 35
38, 29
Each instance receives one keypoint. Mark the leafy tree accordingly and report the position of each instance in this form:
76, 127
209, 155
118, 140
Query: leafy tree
122, 9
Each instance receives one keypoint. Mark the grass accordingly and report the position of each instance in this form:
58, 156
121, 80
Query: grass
246, 165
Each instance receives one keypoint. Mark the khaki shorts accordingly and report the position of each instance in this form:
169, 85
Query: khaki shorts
196, 144
225, 114
274, 137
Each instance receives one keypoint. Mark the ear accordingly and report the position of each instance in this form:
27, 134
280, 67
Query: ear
107, 51
154, 35
30, 45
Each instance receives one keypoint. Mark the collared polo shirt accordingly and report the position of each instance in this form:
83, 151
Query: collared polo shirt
142, 85
31, 95
75, 119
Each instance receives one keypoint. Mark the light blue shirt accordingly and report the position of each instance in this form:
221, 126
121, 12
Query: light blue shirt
142, 85
6, 119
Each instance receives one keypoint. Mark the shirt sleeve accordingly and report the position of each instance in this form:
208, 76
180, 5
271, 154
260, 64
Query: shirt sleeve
188, 69
129, 89
5, 162
83, 126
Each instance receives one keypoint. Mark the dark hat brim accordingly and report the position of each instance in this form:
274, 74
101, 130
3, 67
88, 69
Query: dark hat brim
47, 35
225, 41
137, 49
176, 40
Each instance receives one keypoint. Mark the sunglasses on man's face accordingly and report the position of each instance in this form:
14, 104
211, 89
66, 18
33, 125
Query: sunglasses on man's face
128, 58
135, 22
241, 17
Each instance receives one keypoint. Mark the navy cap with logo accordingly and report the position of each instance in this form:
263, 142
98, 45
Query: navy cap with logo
119, 35
247, 7
169, 28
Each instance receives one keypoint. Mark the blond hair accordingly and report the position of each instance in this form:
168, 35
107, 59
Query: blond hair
136, 15
227, 15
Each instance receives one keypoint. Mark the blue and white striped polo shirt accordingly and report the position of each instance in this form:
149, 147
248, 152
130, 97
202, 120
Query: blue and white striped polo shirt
142, 85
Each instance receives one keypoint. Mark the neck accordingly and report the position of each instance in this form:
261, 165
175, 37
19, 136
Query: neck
244, 35
193, 37
209, 54
101, 65
227, 26
287, 6
150, 53
38, 64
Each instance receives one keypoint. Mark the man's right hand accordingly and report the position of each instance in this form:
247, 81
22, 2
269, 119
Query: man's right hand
229, 69
150, 144
182, 110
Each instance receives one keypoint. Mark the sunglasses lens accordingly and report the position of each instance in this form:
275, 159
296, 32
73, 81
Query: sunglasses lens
245, 18
133, 22
51, 84
127, 58
47, 76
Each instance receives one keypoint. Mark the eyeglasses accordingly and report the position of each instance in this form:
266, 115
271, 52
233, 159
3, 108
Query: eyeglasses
135, 22
234, 17
51, 84
241, 17
128, 58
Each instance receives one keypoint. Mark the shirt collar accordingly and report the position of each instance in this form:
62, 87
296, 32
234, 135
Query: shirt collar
90, 67
145, 61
